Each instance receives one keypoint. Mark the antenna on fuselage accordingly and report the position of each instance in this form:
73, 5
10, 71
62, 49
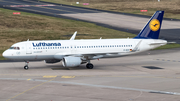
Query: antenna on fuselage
28, 40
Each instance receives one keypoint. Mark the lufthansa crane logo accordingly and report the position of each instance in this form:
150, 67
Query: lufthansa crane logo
154, 25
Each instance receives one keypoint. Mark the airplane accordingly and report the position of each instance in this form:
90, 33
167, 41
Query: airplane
73, 52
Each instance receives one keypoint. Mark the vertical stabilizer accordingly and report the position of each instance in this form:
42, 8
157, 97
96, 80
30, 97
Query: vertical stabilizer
152, 28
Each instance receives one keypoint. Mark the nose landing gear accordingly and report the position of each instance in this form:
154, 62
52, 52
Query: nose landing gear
26, 66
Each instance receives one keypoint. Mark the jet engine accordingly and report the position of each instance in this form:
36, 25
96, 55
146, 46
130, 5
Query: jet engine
71, 61
52, 61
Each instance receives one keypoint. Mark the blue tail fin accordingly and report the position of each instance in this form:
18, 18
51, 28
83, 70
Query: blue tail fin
152, 28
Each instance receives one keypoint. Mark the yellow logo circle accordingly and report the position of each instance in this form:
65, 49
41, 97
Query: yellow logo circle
154, 25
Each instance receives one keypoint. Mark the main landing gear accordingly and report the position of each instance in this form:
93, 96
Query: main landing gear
89, 66
26, 66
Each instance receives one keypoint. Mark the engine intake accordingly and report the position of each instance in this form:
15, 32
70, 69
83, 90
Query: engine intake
71, 61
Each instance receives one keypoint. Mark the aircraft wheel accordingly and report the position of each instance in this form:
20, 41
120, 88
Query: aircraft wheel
26, 67
89, 66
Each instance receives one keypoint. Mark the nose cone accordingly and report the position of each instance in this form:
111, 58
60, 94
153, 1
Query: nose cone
5, 54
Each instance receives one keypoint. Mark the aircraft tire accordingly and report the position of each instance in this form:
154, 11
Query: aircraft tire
89, 66
26, 67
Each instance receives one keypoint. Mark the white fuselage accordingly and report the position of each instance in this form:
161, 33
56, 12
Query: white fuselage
93, 48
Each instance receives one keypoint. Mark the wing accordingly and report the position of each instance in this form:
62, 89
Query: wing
90, 56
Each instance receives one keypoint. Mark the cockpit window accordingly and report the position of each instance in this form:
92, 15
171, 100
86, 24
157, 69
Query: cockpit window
11, 48
14, 48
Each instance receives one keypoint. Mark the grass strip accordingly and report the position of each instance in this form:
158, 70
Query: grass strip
171, 7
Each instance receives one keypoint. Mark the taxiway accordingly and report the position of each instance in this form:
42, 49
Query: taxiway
152, 75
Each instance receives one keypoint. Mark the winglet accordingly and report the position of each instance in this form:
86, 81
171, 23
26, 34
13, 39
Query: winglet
136, 47
74, 35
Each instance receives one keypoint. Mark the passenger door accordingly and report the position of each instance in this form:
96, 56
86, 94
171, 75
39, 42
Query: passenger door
28, 48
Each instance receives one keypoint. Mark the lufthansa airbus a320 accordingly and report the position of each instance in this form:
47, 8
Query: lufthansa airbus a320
73, 52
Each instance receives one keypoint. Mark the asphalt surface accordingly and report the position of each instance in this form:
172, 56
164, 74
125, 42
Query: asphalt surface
119, 21
150, 76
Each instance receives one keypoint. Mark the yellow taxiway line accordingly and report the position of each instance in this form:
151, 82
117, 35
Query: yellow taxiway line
29, 89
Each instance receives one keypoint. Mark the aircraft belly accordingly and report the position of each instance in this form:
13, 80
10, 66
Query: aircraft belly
32, 57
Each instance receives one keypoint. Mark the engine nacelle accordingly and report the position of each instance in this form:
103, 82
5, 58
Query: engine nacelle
71, 61
52, 61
